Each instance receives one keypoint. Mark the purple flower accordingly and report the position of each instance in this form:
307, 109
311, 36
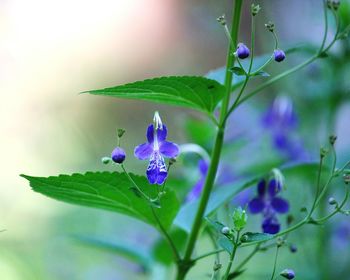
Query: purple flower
118, 155
281, 121
155, 149
279, 55
198, 187
288, 273
269, 204
242, 51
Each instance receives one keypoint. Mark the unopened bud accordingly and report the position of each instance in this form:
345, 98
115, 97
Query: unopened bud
323, 152
221, 20
270, 26
242, 51
120, 132
225, 231
346, 178
118, 155
217, 266
332, 201
106, 160
332, 139
255, 9
288, 274
293, 248
279, 55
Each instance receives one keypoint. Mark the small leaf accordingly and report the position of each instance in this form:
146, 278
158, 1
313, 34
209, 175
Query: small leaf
262, 74
110, 191
226, 244
215, 224
237, 71
187, 91
132, 253
255, 237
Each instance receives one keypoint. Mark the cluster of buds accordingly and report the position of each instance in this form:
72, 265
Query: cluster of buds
333, 4
221, 20
255, 9
270, 26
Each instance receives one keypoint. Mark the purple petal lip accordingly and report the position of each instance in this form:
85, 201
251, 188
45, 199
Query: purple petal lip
261, 187
256, 205
271, 225
156, 170
280, 205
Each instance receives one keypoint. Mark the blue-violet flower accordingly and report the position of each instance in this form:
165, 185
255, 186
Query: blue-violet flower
267, 203
155, 149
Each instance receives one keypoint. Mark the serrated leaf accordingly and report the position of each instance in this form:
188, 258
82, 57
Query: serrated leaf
225, 244
110, 191
238, 71
255, 237
131, 253
187, 91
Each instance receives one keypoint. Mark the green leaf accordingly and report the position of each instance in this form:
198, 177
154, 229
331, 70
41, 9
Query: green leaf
238, 71
262, 74
215, 225
225, 244
187, 91
255, 237
131, 253
110, 191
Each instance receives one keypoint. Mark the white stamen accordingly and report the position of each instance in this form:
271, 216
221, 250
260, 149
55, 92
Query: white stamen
157, 121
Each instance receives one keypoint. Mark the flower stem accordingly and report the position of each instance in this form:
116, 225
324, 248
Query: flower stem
232, 256
275, 263
215, 156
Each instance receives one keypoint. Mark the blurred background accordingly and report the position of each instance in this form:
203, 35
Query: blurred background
50, 51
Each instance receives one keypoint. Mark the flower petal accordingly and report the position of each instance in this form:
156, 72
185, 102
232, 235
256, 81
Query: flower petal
143, 151
195, 191
150, 133
162, 133
203, 167
156, 170
169, 149
256, 205
261, 187
271, 225
274, 187
280, 205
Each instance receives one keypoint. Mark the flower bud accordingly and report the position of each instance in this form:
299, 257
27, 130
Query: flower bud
323, 152
346, 178
279, 55
239, 218
270, 26
332, 139
120, 132
288, 274
106, 160
217, 266
221, 20
293, 248
118, 155
332, 201
225, 230
242, 51
255, 9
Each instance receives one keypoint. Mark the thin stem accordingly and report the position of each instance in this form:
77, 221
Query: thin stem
317, 186
275, 263
208, 254
166, 236
247, 259
232, 256
325, 27
215, 157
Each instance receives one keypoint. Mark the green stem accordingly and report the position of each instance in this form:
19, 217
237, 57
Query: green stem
275, 263
317, 186
325, 27
166, 236
215, 157
232, 256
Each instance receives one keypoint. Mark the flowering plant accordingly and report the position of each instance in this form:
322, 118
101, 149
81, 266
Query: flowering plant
208, 207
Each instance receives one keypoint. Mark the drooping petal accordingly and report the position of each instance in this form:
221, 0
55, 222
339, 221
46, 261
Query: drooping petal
162, 133
143, 151
271, 225
256, 205
156, 170
261, 187
203, 167
280, 205
195, 191
169, 149
274, 187
150, 133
